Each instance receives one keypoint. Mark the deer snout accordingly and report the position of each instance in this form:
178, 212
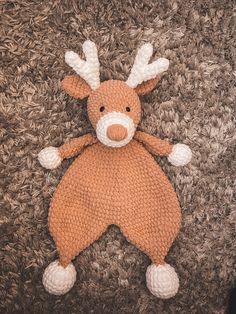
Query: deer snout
117, 132
115, 129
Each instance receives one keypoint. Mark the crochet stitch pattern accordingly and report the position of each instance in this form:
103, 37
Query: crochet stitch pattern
115, 179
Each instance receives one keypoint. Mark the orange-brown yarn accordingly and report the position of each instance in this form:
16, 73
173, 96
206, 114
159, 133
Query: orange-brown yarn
113, 95
121, 186
116, 132
105, 185
76, 145
147, 86
75, 86
153, 144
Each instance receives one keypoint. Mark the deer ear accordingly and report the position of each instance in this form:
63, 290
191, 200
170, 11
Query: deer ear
76, 87
147, 86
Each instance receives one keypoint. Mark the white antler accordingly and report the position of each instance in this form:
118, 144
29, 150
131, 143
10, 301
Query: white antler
89, 69
141, 70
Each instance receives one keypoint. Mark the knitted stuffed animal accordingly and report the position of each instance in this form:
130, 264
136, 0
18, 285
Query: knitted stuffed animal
115, 180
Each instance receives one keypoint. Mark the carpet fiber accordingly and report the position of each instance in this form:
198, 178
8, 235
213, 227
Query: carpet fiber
193, 104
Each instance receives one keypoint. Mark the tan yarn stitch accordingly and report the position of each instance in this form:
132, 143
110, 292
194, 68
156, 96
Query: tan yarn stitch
115, 180
122, 186
147, 86
76, 86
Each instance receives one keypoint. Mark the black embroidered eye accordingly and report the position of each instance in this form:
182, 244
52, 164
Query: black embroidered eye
127, 109
102, 108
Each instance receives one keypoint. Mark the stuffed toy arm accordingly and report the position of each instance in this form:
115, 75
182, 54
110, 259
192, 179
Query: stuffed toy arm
51, 157
178, 155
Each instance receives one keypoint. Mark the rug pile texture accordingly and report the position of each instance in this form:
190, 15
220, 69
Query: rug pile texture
193, 104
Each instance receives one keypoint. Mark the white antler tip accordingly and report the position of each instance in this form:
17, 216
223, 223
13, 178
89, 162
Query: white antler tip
70, 56
144, 53
164, 63
148, 47
88, 44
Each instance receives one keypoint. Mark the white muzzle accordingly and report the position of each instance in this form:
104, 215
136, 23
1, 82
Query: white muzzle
115, 118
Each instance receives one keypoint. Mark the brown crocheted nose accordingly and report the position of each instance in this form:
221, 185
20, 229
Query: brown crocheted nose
116, 132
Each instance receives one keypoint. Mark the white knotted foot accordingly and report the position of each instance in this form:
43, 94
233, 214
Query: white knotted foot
181, 155
57, 279
49, 157
162, 281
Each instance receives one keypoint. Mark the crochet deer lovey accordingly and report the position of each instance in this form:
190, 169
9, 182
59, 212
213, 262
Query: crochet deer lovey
115, 179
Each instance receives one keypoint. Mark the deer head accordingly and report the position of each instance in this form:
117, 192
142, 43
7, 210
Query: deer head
113, 106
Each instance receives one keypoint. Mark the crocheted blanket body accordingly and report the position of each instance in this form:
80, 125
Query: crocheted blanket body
124, 186
114, 179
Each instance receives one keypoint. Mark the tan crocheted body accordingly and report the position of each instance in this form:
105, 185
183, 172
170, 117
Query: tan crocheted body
122, 186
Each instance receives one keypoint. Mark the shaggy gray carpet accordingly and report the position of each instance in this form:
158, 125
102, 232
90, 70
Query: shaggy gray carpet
193, 104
